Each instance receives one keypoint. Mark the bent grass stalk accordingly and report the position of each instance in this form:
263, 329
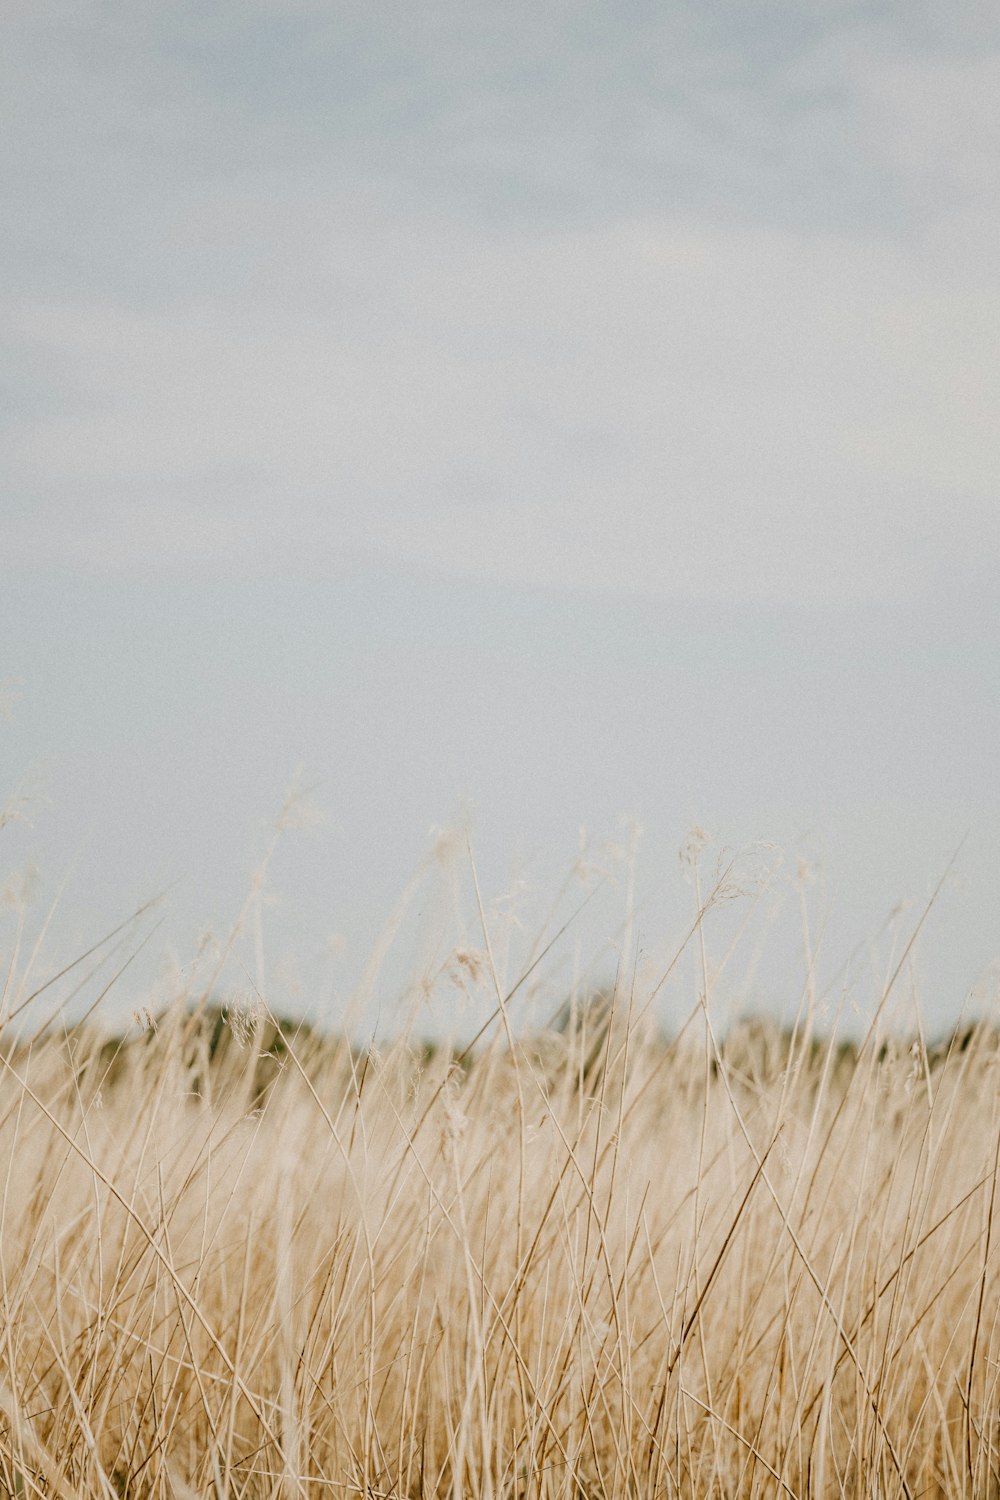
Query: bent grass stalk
246, 1261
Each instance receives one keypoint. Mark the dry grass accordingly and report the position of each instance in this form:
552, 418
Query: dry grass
593, 1265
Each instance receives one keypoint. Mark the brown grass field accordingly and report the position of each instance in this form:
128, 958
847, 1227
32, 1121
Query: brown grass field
239, 1259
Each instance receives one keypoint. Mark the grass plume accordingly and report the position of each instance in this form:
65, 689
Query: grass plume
240, 1258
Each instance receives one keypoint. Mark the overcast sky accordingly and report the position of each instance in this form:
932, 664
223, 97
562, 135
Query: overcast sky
578, 412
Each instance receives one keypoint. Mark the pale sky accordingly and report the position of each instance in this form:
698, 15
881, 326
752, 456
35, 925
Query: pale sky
580, 412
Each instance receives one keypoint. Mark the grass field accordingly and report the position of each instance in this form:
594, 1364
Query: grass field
240, 1260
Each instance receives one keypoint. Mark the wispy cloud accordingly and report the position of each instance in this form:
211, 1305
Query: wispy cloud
621, 301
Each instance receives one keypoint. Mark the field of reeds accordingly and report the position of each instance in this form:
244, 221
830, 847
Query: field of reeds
242, 1258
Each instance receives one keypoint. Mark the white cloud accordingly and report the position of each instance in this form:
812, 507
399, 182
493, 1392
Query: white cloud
652, 406
938, 121
318, 362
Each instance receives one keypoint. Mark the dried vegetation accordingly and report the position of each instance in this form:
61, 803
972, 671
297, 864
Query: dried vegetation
243, 1259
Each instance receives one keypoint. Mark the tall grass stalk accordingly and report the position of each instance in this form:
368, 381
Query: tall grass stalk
238, 1260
